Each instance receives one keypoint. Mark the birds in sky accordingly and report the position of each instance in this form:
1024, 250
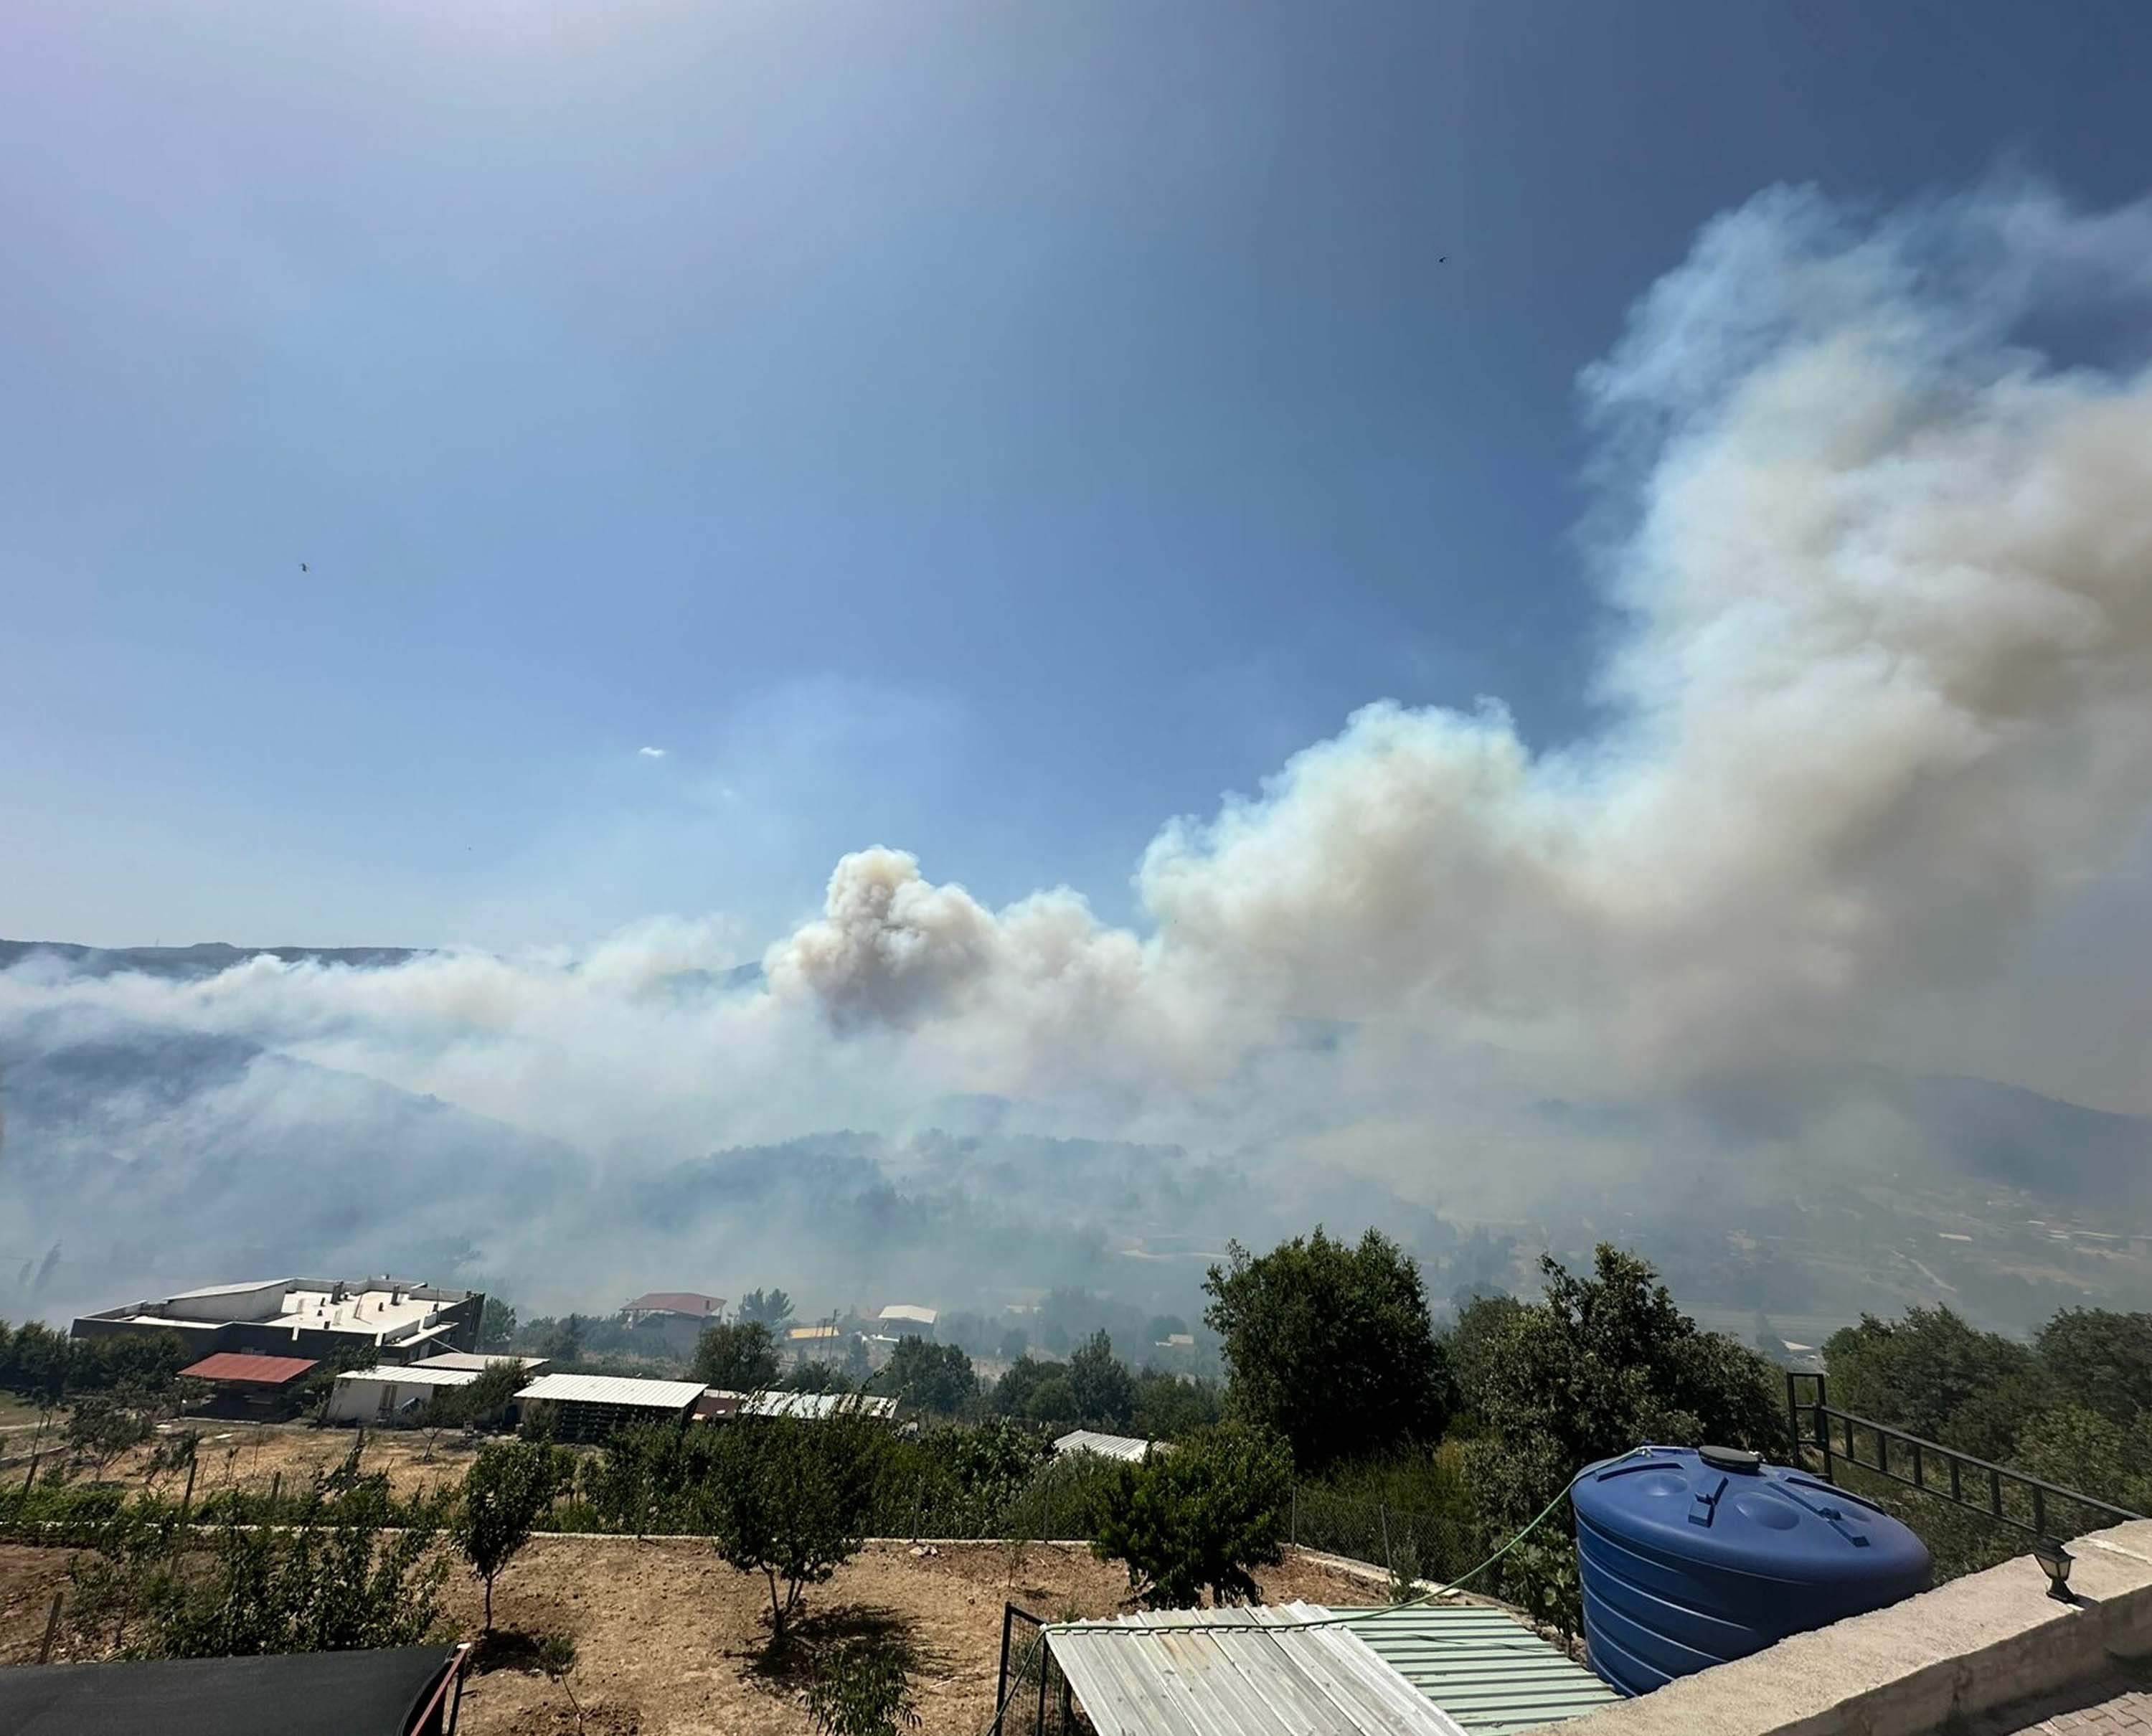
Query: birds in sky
302, 566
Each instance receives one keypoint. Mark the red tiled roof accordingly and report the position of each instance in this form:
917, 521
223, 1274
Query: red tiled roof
676, 1302
265, 1371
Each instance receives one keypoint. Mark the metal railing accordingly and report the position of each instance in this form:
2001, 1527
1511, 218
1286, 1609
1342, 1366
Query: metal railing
1926, 1465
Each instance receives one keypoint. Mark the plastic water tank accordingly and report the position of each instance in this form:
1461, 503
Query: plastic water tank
1692, 1556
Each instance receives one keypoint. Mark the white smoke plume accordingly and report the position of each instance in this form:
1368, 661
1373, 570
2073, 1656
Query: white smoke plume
1879, 701
1885, 687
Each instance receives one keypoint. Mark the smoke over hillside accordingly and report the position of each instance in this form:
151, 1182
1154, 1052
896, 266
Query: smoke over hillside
1879, 720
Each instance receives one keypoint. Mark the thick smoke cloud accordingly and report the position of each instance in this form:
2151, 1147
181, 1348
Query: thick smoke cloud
1884, 689
1879, 702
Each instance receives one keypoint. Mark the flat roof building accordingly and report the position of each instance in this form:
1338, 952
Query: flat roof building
317, 1317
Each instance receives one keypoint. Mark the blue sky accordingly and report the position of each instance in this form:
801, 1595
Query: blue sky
983, 429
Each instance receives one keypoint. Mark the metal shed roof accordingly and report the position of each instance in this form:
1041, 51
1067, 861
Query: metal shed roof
614, 1390
416, 1375
1107, 1446
1259, 1671
267, 1371
1481, 1666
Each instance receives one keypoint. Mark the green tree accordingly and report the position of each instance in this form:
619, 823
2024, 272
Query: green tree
2102, 1360
1099, 1383
496, 1325
1199, 1517
862, 1687
1013, 1345
355, 1570
99, 1430
1170, 1406
1013, 1391
1331, 1345
1605, 1363
790, 1501
740, 1357
1915, 1372
505, 1493
771, 1308
934, 1378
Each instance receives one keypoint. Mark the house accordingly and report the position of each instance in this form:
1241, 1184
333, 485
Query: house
253, 1389
587, 1407
906, 1319
393, 1321
394, 1394
671, 1321
814, 1343
409, 1691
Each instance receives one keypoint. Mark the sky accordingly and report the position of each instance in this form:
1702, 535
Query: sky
720, 438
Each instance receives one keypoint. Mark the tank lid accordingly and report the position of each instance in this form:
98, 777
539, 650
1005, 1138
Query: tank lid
1732, 1459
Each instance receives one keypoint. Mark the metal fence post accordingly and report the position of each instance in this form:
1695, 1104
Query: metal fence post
1383, 1512
1292, 1525
52, 1628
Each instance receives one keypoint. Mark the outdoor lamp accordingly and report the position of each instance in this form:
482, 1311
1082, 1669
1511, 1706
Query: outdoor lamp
2055, 1562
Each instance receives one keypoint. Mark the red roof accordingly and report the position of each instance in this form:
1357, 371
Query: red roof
264, 1370
678, 1301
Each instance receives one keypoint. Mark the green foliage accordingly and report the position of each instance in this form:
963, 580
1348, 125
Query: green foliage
741, 1357
355, 1570
1199, 1518
482, 1404
496, 1325
934, 1378
2101, 1359
505, 1491
43, 1367
790, 1499
1103, 1391
1331, 1345
862, 1687
1603, 1364
771, 1308
1172, 1407
1915, 1374
1013, 1344
100, 1430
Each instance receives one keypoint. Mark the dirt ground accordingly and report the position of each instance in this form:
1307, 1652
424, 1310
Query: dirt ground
671, 1641
251, 1455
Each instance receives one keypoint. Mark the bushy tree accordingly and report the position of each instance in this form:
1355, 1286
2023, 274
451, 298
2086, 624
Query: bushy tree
862, 1687
496, 1326
2102, 1360
355, 1570
790, 1501
504, 1495
1100, 1384
771, 1308
1605, 1363
1915, 1372
934, 1378
1013, 1345
741, 1357
1199, 1517
1330, 1345
1168, 1407
100, 1430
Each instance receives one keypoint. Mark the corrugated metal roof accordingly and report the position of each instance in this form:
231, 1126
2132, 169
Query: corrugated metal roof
614, 1390
812, 1332
417, 1374
1107, 1446
268, 1371
478, 1360
815, 1405
1238, 1673
1483, 1667
909, 1311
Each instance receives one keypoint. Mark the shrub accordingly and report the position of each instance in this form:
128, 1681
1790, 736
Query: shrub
1199, 1518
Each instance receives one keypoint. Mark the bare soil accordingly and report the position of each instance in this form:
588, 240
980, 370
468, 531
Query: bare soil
671, 1641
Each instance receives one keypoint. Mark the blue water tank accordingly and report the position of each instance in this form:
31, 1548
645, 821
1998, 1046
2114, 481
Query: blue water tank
1691, 1556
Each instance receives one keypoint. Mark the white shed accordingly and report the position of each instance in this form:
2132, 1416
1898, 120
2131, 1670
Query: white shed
390, 1394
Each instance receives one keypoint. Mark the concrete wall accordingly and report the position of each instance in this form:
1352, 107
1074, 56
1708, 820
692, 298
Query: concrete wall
1956, 1653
